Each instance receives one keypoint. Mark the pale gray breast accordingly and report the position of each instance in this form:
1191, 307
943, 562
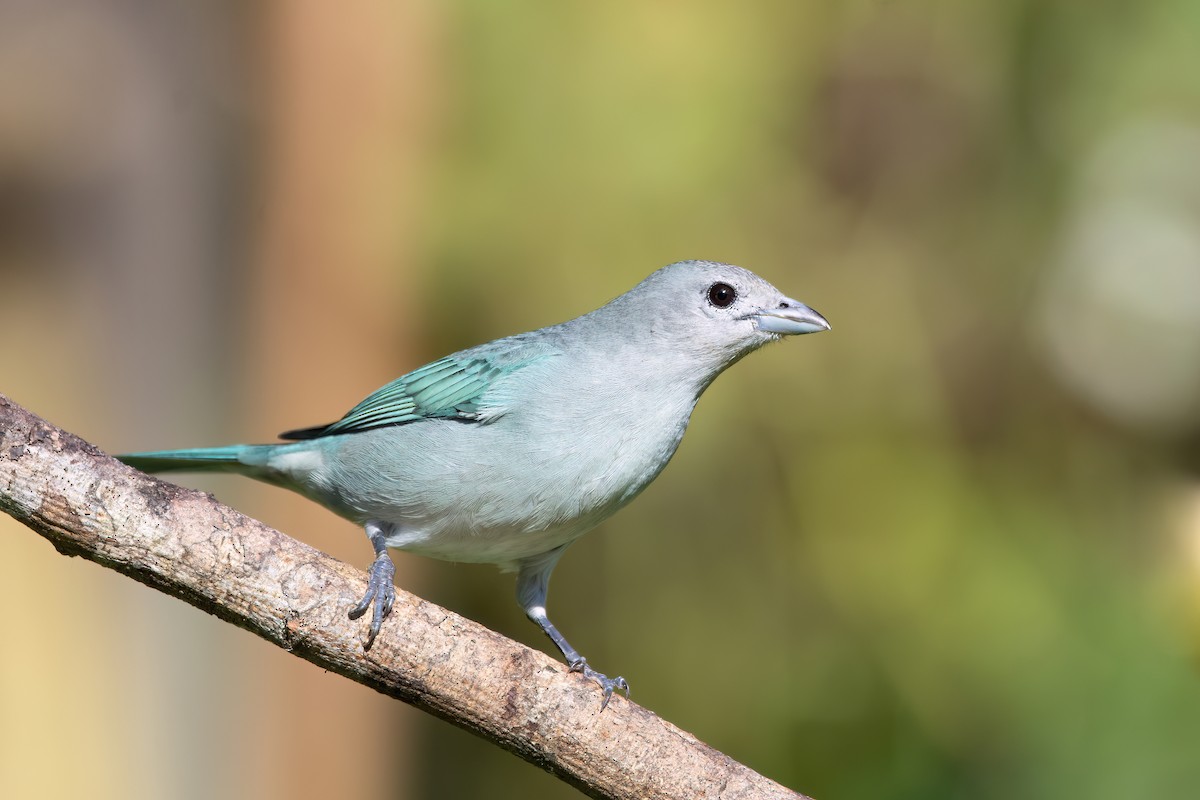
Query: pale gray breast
573, 446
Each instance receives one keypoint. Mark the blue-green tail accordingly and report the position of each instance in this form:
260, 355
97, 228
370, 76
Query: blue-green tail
247, 459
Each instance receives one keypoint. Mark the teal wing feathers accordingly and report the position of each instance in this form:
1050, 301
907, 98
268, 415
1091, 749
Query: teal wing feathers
450, 388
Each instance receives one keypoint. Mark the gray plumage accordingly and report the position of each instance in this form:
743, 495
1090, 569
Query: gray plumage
507, 452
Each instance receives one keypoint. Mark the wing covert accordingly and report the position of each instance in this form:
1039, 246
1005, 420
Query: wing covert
450, 388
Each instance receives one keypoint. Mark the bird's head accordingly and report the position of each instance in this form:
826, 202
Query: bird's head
714, 312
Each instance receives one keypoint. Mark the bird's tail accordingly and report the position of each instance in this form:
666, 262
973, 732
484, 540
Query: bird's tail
246, 459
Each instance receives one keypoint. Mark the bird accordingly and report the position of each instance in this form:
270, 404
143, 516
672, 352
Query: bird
509, 451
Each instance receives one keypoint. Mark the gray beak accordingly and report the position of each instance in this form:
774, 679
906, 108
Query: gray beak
789, 318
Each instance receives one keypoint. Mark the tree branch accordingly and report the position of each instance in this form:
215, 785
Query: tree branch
188, 545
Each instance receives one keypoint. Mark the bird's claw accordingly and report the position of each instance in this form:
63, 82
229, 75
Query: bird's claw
381, 590
606, 683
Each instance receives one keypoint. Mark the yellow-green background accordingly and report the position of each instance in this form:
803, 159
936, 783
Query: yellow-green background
949, 550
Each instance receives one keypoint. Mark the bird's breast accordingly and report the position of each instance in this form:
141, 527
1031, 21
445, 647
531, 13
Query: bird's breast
534, 479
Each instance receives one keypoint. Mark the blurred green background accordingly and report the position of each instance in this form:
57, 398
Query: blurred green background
950, 549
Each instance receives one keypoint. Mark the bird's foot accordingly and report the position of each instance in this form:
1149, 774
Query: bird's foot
608, 684
381, 590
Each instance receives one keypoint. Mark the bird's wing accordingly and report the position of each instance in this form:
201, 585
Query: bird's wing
450, 388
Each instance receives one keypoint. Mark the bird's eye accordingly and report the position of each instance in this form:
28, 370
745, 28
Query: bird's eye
722, 295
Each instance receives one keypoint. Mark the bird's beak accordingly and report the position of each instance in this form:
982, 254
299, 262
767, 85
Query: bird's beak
789, 318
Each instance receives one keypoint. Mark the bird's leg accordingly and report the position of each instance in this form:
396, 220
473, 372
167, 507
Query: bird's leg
381, 583
533, 582
576, 662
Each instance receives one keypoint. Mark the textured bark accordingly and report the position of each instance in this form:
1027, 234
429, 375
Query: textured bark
188, 545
